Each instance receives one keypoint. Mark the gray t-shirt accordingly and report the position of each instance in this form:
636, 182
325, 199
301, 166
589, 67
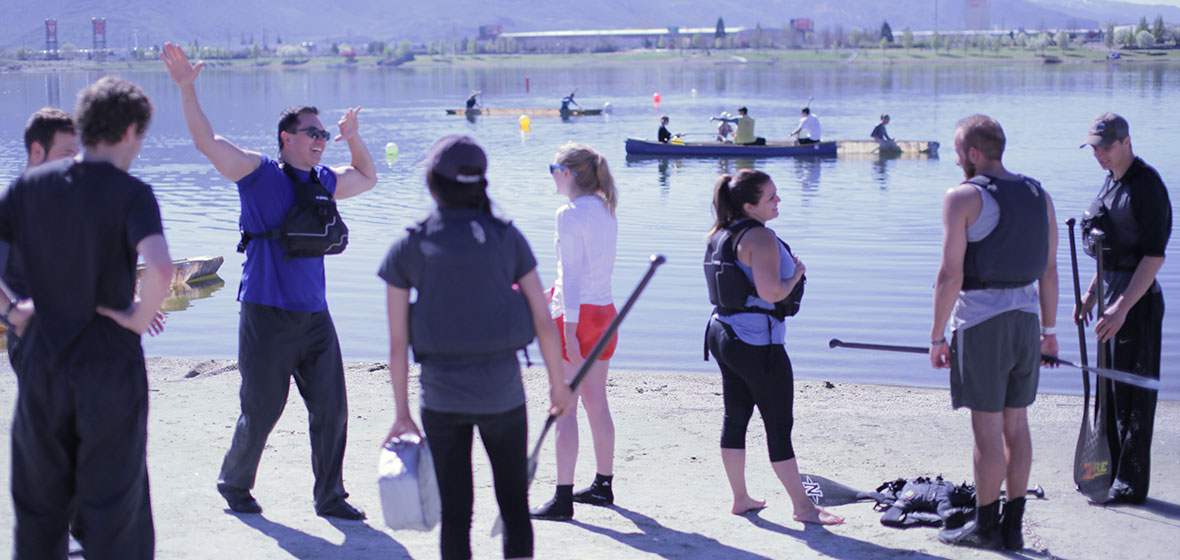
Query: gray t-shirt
475, 383
976, 306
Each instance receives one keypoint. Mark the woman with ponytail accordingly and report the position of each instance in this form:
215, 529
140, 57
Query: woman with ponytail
479, 301
582, 307
746, 334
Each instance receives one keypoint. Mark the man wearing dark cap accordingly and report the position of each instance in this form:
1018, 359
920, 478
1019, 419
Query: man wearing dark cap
285, 328
1134, 212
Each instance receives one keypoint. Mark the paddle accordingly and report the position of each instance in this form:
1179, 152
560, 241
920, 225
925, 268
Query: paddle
1091, 461
824, 492
1117, 375
599, 347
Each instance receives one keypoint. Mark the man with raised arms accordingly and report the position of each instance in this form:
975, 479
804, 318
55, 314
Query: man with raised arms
285, 328
999, 268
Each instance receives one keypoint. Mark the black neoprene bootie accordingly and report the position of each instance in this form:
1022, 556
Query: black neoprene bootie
598, 493
560, 508
984, 532
1011, 524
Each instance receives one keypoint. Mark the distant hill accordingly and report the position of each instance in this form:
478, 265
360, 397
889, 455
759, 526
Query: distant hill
218, 22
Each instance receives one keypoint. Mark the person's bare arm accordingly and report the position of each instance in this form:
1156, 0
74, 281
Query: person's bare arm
360, 175
1047, 286
397, 302
561, 399
232, 162
960, 207
153, 287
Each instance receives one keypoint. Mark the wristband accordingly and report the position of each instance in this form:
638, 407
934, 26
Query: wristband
938, 342
1048, 331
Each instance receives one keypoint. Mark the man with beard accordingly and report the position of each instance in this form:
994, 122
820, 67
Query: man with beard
998, 270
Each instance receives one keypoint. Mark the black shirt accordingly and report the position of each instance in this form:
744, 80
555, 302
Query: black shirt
75, 227
879, 132
664, 135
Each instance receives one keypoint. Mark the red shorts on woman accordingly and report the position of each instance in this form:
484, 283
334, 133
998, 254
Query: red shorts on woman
593, 321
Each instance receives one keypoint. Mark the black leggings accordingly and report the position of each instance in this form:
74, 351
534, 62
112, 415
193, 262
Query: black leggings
504, 436
1130, 414
754, 376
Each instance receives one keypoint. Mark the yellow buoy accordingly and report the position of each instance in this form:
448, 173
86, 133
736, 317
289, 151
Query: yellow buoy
391, 152
525, 123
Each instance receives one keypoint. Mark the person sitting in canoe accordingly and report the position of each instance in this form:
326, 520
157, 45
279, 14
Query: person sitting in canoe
567, 101
473, 101
664, 136
885, 143
723, 128
745, 129
808, 130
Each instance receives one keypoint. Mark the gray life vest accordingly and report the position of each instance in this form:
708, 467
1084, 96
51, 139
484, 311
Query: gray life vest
467, 302
1014, 254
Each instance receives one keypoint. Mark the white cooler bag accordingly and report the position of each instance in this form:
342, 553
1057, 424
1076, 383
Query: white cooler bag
408, 487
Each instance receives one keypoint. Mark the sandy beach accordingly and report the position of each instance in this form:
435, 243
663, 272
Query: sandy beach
671, 495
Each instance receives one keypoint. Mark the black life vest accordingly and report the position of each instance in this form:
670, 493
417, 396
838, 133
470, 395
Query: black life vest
467, 299
922, 501
312, 227
729, 288
1014, 254
1112, 213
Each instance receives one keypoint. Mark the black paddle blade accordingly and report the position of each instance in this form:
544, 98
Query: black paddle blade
824, 492
1091, 462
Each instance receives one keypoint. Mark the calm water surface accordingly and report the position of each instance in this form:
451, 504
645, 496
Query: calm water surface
867, 228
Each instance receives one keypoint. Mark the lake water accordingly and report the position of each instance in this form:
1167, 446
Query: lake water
867, 228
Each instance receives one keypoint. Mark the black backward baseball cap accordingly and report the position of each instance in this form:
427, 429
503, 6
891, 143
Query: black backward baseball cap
458, 158
1105, 129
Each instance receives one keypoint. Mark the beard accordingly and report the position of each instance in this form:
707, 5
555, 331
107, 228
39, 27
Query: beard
968, 169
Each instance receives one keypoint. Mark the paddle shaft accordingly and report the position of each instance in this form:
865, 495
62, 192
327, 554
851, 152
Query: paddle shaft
1117, 375
1099, 242
1077, 295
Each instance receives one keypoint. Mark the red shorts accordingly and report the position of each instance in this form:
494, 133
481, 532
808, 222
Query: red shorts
593, 321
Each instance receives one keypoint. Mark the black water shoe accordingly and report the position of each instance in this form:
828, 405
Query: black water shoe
599, 493
984, 532
560, 508
1012, 524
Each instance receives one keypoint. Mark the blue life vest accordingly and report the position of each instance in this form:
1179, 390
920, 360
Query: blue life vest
1014, 254
467, 299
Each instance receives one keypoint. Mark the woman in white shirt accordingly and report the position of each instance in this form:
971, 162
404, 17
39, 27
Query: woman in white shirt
583, 307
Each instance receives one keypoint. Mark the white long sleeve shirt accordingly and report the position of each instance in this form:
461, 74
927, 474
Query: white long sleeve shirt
585, 241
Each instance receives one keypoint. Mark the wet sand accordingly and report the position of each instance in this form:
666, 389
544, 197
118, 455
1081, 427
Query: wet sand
672, 499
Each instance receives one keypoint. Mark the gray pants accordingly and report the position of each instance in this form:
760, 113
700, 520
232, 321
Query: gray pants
273, 345
79, 444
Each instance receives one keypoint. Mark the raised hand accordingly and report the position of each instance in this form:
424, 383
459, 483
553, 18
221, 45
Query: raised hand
179, 68
349, 125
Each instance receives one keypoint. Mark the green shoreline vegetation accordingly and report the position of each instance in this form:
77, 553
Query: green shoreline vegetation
956, 54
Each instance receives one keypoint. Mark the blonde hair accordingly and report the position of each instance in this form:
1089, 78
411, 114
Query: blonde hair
592, 173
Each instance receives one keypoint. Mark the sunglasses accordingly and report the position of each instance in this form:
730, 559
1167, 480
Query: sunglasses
315, 133
555, 167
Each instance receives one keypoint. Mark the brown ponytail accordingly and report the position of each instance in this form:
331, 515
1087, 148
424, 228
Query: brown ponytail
732, 193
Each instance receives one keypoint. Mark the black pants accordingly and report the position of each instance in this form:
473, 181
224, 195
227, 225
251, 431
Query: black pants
754, 376
1130, 412
759, 141
808, 141
79, 446
505, 437
273, 345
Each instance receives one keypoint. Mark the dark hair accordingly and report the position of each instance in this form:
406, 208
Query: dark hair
453, 194
807, 110
107, 107
733, 192
742, 110
983, 133
44, 125
289, 119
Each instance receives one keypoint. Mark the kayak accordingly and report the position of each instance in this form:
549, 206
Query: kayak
189, 270
531, 112
848, 147
637, 146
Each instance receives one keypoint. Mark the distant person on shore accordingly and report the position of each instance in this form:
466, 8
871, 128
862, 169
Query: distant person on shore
284, 328
468, 323
583, 307
745, 128
999, 269
723, 128
567, 101
808, 130
1135, 213
473, 101
79, 435
746, 339
664, 135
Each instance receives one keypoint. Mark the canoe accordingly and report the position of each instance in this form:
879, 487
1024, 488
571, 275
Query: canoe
637, 146
530, 112
185, 271
849, 147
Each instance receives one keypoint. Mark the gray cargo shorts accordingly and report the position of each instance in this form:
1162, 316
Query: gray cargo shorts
996, 364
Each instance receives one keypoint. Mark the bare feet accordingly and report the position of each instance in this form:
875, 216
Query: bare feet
818, 516
747, 504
